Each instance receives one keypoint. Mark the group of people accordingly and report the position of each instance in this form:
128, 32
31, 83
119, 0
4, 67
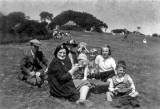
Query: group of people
73, 69
59, 35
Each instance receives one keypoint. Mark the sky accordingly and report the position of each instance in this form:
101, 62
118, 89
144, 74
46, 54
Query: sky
115, 13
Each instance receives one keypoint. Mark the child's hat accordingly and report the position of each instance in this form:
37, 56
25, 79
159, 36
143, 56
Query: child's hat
93, 50
82, 56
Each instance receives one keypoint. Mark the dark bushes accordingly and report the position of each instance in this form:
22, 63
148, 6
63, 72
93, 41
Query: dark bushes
82, 19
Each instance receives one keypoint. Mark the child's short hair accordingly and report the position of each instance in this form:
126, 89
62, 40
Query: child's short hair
121, 63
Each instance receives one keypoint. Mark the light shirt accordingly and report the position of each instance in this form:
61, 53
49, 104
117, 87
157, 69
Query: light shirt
105, 64
119, 80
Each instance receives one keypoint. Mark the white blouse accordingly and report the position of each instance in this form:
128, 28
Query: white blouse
105, 64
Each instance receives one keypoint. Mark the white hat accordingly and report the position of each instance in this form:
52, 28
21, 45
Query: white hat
82, 56
93, 50
82, 44
35, 42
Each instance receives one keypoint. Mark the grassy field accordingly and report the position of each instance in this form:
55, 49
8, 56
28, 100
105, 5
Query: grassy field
143, 63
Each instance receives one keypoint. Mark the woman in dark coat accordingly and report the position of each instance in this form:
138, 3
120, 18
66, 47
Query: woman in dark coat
60, 73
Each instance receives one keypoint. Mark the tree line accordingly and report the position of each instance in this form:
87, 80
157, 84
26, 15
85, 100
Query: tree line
19, 23
82, 19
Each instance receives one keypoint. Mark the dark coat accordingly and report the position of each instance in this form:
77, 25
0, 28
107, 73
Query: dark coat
30, 63
60, 81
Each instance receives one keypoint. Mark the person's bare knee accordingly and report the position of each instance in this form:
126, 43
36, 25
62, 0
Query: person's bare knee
83, 92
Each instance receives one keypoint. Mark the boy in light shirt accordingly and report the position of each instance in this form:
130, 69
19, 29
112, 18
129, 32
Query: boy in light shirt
121, 84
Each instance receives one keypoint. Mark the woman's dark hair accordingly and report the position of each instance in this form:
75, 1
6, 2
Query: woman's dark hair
108, 46
58, 48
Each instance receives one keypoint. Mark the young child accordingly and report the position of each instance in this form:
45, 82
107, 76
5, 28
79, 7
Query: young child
121, 84
82, 48
93, 68
83, 67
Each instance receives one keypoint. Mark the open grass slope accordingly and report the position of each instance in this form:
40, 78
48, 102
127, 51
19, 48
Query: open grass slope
143, 63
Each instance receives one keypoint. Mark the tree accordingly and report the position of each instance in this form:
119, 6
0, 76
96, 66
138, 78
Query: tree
13, 19
1, 21
46, 16
155, 35
82, 19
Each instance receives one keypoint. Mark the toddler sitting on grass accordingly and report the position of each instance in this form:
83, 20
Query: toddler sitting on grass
121, 84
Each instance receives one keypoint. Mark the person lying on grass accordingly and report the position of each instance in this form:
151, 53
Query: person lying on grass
33, 65
121, 84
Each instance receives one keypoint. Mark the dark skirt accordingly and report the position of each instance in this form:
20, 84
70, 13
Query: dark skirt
104, 76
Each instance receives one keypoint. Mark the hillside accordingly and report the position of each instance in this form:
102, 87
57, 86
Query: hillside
143, 63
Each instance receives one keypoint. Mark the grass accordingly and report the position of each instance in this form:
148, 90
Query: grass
143, 63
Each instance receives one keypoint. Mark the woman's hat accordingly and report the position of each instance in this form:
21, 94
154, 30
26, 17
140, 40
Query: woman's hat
35, 42
71, 42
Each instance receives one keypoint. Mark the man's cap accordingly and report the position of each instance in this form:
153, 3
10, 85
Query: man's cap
35, 42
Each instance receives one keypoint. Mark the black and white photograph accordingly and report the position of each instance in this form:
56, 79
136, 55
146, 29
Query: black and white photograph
79, 54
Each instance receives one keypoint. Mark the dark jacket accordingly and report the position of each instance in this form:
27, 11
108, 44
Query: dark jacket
60, 81
74, 56
30, 63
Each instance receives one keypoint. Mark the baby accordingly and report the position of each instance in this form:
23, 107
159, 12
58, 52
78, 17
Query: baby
121, 84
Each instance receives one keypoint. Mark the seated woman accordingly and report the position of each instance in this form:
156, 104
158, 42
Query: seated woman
60, 73
98, 86
33, 65
121, 83
106, 64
